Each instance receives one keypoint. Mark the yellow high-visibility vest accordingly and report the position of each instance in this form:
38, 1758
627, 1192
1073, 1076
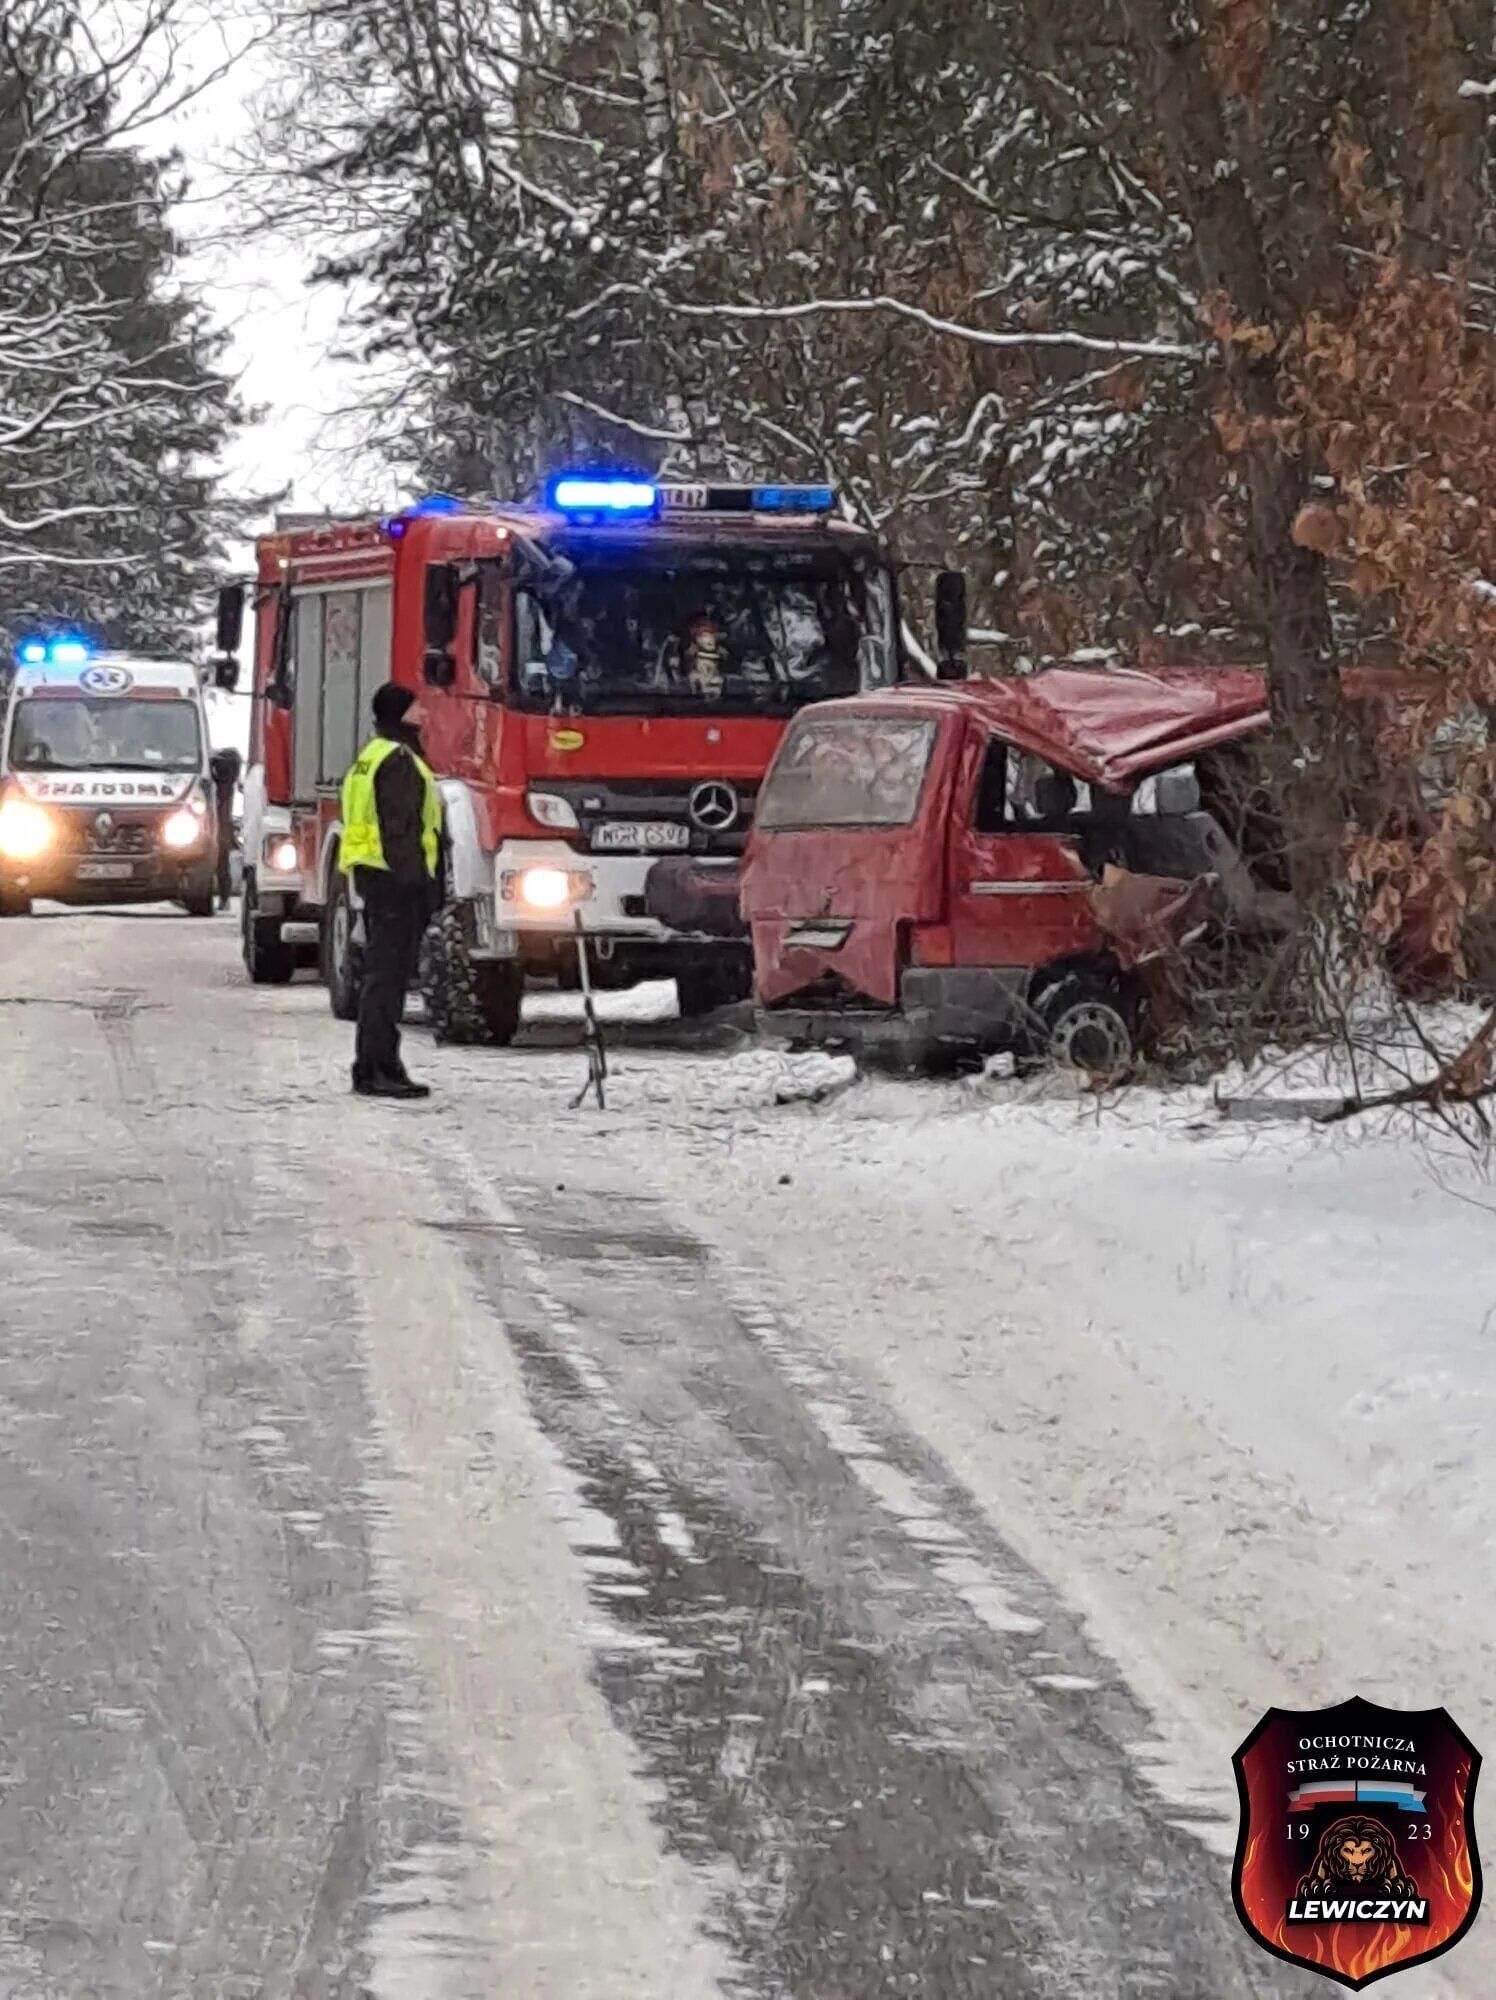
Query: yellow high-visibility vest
363, 844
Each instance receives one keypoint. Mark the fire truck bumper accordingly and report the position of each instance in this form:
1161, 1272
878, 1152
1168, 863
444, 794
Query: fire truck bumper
542, 888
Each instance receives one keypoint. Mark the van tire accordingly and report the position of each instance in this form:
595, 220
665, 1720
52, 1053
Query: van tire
268, 959
201, 901
470, 1003
1088, 1020
339, 958
14, 903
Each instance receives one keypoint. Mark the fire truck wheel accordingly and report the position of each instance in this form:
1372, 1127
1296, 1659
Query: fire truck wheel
473, 1003
14, 903
268, 959
1089, 1022
342, 961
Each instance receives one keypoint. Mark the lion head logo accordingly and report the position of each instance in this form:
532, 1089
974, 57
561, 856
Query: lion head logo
1357, 1853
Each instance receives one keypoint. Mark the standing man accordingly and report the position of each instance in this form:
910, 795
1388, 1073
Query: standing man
226, 768
392, 822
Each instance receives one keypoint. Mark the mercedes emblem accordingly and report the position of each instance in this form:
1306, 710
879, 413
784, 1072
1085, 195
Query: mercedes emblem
714, 806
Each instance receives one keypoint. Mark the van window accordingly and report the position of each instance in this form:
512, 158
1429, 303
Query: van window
850, 770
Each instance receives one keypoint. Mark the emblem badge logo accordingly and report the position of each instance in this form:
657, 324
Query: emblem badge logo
1356, 1853
104, 825
106, 680
713, 807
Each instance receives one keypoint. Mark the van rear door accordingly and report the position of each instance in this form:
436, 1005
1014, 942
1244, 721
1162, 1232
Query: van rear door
848, 846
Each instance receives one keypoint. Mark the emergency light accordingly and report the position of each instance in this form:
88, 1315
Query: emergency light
748, 499
433, 503
54, 652
575, 494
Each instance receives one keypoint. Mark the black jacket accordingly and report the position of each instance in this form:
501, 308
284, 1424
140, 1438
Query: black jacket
399, 799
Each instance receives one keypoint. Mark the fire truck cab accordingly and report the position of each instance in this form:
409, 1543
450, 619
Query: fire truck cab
605, 678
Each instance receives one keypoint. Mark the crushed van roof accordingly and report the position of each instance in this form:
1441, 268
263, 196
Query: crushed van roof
1107, 725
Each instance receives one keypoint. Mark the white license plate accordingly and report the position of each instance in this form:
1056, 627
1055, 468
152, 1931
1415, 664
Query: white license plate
105, 871
655, 836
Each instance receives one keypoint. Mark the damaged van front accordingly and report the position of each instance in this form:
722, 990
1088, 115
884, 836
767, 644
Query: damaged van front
984, 865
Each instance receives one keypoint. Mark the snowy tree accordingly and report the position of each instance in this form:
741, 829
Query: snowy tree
111, 406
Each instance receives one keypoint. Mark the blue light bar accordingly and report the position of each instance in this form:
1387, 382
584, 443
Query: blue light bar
436, 503
54, 652
572, 494
793, 499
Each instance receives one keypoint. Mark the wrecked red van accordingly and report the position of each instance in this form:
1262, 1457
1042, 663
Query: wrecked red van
990, 864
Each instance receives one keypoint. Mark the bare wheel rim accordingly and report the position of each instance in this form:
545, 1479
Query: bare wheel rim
1092, 1036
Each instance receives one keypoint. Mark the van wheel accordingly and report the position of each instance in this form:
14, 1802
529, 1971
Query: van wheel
1088, 1021
200, 901
472, 1003
704, 985
341, 961
14, 902
268, 959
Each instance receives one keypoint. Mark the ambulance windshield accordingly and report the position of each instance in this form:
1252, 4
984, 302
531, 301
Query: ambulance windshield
75, 732
718, 635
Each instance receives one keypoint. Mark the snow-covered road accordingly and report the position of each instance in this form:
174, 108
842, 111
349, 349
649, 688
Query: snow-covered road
720, 1546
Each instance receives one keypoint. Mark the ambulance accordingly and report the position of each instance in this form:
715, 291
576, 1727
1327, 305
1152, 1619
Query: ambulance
105, 789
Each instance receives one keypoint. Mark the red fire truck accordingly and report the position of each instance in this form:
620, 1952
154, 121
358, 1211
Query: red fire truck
606, 677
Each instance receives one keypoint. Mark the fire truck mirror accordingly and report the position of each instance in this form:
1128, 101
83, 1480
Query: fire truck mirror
230, 619
950, 624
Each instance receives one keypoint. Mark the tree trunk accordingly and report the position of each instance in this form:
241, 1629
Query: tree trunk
1292, 595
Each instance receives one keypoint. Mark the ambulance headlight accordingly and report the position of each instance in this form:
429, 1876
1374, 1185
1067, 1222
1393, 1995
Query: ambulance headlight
281, 855
25, 830
181, 829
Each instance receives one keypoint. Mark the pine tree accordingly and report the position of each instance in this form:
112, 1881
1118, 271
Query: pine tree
113, 407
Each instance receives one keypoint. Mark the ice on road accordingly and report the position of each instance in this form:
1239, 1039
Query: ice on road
726, 1546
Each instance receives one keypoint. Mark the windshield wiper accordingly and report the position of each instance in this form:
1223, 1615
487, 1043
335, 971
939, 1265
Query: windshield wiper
133, 764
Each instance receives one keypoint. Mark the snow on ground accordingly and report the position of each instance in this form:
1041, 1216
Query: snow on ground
1230, 1386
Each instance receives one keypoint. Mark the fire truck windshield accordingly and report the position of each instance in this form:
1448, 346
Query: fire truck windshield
73, 732
728, 636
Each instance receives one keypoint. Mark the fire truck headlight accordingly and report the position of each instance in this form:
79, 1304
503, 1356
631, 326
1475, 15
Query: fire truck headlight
545, 888
281, 854
550, 809
25, 830
181, 829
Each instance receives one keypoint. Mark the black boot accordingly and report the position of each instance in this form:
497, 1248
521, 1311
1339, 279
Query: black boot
389, 1086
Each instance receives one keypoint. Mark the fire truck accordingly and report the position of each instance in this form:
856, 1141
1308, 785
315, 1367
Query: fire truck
605, 675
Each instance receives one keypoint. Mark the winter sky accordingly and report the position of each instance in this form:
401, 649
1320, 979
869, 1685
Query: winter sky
283, 332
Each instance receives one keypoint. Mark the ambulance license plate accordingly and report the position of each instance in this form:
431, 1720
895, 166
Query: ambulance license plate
654, 836
105, 871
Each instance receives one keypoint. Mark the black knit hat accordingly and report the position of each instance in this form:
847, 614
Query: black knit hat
390, 703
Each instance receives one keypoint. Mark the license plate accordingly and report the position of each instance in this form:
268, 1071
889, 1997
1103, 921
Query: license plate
105, 871
654, 836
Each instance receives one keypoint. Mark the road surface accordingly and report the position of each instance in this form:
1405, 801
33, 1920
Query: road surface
429, 1570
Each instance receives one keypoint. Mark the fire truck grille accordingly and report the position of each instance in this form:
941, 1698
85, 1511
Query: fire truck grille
600, 802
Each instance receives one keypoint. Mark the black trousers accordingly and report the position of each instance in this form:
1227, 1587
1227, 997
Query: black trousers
395, 915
